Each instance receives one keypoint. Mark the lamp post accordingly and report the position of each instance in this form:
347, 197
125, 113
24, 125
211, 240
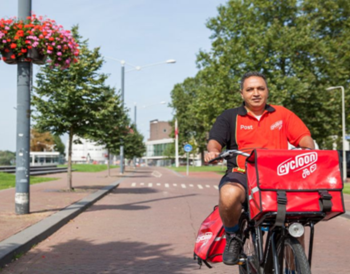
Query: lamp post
343, 127
123, 63
24, 73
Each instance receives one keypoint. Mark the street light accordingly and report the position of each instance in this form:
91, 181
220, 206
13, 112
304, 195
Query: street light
123, 63
343, 126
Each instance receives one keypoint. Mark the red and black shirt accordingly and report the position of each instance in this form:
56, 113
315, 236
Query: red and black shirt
239, 129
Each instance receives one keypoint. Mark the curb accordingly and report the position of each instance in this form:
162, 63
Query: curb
346, 215
27, 238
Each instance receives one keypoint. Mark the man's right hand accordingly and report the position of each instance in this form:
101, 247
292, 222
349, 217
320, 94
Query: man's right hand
210, 156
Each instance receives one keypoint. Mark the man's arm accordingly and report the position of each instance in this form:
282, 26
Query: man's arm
307, 142
214, 149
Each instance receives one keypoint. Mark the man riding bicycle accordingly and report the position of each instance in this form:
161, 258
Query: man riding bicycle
255, 124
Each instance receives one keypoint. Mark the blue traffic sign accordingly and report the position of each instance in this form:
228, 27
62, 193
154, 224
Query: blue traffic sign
347, 137
187, 148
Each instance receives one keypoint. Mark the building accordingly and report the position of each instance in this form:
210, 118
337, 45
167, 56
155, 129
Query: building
38, 158
158, 144
87, 152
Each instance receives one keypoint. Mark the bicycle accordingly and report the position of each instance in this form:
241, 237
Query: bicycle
279, 251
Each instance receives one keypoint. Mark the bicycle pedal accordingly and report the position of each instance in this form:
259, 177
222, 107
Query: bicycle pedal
242, 261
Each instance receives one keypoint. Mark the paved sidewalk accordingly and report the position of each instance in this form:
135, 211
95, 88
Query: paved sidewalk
49, 208
52, 206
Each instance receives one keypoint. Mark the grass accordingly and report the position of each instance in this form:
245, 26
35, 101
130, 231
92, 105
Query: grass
346, 188
9, 180
89, 167
217, 169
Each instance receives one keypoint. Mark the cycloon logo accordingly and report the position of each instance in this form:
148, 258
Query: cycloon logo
298, 163
204, 237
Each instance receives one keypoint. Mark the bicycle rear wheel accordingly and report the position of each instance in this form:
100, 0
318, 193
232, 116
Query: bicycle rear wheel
249, 248
292, 257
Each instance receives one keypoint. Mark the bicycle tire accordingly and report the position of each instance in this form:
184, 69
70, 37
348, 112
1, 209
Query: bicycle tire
299, 263
249, 249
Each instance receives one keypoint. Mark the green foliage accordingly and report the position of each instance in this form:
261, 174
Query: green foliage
133, 143
7, 158
9, 180
302, 47
73, 100
169, 151
89, 167
59, 146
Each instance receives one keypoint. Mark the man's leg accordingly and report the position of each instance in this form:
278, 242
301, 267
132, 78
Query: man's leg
231, 198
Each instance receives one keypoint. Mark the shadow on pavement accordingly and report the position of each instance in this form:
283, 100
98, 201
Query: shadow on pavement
134, 206
79, 256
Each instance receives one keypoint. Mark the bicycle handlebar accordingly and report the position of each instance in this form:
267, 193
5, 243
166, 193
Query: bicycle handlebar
228, 154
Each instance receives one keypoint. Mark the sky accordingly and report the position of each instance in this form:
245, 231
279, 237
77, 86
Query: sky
140, 32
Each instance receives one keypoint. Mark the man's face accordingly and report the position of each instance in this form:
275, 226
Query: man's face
255, 93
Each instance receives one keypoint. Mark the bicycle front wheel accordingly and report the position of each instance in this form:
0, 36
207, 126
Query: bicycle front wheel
291, 256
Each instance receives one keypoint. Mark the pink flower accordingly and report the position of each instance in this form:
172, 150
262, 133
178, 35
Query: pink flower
49, 51
59, 53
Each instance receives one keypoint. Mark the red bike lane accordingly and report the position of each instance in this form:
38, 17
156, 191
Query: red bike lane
148, 225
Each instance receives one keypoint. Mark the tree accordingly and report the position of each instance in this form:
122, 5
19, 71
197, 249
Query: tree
59, 146
112, 125
7, 157
133, 143
301, 46
191, 126
41, 141
71, 100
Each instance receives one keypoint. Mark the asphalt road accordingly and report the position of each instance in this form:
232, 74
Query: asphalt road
149, 225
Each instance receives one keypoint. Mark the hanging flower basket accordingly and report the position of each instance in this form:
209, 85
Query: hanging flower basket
36, 40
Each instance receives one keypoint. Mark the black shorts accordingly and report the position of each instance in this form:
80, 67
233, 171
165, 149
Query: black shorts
234, 177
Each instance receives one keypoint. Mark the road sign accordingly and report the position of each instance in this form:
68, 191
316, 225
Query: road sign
188, 148
347, 137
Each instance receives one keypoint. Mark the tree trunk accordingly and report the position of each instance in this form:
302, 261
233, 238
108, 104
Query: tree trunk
108, 165
69, 174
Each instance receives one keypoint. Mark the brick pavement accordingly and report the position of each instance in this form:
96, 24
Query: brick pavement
48, 198
148, 225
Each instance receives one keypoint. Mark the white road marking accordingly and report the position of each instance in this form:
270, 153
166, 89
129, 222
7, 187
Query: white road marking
191, 185
158, 184
142, 184
183, 185
216, 187
150, 185
157, 174
166, 185
133, 184
200, 186
174, 184
207, 186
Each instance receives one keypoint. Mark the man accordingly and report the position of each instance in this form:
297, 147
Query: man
255, 124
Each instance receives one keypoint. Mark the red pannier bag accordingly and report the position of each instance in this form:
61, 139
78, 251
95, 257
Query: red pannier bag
289, 183
211, 240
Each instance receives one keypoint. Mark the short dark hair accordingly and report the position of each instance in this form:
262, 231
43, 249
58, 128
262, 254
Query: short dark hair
250, 74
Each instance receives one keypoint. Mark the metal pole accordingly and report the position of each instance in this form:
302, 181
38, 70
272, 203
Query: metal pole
121, 146
23, 124
344, 140
176, 145
134, 158
187, 164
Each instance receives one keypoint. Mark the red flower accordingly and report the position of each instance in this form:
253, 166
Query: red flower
29, 47
41, 36
50, 48
13, 46
13, 56
24, 50
51, 38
